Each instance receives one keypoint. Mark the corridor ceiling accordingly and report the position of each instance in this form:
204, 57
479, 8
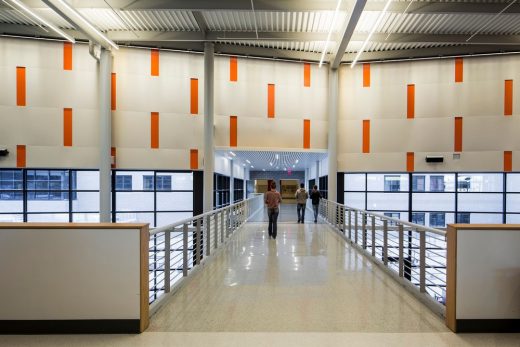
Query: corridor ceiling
273, 160
296, 30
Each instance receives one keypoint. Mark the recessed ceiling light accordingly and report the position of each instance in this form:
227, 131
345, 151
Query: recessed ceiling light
277, 157
233, 154
296, 161
271, 164
252, 167
263, 169
248, 161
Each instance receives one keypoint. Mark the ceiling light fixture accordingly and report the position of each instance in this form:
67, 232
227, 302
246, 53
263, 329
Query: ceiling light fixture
277, 157
330, 33
252, 167
248, 161
233, 154
27, 10
296, 161
271, 164
379, 19
82, 19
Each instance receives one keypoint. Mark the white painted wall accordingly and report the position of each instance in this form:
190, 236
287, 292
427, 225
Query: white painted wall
488, 274
70, 274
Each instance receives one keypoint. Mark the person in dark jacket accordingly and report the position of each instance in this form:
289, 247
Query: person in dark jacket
315, 197
272, 199
301, 199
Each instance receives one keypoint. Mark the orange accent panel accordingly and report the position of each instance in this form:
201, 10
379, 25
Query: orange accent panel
194, 159
194, 103
67, 127
410, 109
508, 98
306, 133
155, 130
366, 75
306, 75
459, 70
20, 155
410, 161
233, 131
458, 134
113, 153
508, 161
270, 101
233, 69
366, 136
67, 56
154, 68
113, 91
20, 86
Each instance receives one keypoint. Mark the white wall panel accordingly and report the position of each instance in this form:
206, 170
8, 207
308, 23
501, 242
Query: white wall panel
158, 159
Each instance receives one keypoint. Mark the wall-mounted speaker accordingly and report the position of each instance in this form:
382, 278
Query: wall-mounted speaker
4, 152
434, 159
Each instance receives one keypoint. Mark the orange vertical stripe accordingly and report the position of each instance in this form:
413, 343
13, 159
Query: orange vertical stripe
306, 75
410, 110
270, 100
366, 136
194, 159
20, 155
113, 91
366, 75
233, 131
194, 91
410, 161
154, 55
508, 161
67, 127
154, 130
233, 69
113, 155
306, 133
458, 134
20, 86
459, 70
508, 98
67, 56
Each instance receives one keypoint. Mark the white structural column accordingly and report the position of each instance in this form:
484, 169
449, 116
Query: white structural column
333, 135
209, 142
105, 136
317, 174
231, 182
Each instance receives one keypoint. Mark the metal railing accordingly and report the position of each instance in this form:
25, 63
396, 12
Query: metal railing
179, 248
413, 254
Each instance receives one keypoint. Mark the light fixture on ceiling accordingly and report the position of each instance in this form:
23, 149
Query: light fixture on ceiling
252, 167
296, 161
248, 161
65, 10
277, 157
17, 4
233, 154
379, 19
294, 166
263, 169
271, 164
332, 24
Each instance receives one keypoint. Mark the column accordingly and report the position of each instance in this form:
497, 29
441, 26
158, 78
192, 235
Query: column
333, 132
105, 136
317, 174
209, 143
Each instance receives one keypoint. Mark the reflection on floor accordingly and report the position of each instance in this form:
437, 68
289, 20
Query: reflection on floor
307, 288
287, 214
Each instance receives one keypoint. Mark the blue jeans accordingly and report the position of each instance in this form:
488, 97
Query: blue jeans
315, 208
301, 207
272, 213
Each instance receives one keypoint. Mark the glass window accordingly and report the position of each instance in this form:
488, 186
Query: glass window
480, 202
464, 184
463, 218
123, 182
392, 183
418, 183
164, 182
513, 202
356, 200
437, 220
418, 218
147, 182
433, 201
437, 183
480, 182
392, 215
11, 180
354, 182
513, 182
387, 201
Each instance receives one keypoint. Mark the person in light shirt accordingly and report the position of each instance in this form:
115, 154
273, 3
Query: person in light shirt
272, 199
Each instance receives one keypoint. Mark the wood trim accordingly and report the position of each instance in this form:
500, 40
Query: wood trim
451, 278
73, 226
144, 305
485, 226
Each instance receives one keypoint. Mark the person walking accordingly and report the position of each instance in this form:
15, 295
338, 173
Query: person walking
273, 199
301, 201
315, 197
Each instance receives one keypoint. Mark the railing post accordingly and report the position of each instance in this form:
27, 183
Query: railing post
373, 236
364, 229
208, 235
422, 261
355, 227
385, 242
185, 250
215, 222
167, 250
350, 224
197, 241
401, 251
222, 226
343, 210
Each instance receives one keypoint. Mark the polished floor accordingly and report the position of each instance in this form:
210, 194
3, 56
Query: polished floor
306, 288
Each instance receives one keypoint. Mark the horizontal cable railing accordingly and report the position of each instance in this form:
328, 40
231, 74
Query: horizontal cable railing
414, 254
175, 250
